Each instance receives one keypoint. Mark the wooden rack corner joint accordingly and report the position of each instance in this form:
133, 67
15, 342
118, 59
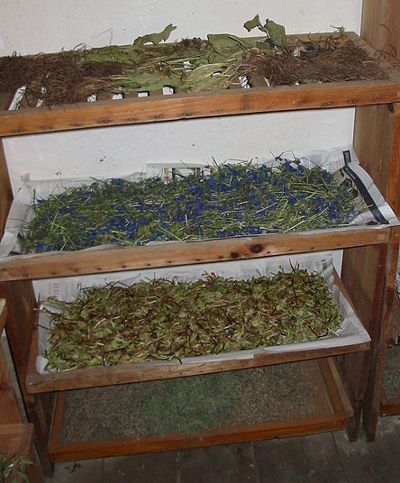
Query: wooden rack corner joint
369, 260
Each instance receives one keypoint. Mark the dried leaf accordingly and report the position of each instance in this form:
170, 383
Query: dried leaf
253, 23
277, 34
154, 38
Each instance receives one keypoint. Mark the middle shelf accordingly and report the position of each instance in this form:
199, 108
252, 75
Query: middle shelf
349, 336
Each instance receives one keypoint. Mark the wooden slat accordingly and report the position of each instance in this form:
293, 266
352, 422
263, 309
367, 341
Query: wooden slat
188, 106
106, 376
16, 438
3, 315
328, 416
6, 195
62, 264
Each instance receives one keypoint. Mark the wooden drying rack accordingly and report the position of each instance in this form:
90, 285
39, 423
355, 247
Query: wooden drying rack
369, 259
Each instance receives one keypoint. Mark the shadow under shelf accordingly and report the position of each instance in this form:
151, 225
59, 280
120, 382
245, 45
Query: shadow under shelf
156, 416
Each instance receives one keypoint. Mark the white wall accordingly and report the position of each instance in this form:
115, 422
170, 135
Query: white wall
30, 26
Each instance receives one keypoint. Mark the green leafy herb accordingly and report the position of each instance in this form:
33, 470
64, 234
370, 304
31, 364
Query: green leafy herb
162, 319
13, 469
155, 38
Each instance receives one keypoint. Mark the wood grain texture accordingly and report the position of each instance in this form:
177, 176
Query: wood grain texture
379, 27
107, 376
9, 408
6, 195
65, 264
190, 106
3, 315
16, 438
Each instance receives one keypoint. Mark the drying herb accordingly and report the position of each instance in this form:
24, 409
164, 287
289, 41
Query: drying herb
13, 469
163, 320
189, 404
235, 200
190, 65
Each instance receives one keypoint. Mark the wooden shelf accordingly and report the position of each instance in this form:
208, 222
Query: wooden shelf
64, 264
156, 370
368, 264
155, 108
16, 438
332, 410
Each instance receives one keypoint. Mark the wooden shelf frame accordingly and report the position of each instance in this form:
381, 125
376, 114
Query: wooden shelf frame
370, 256
156, 108
157, 370
334, 410
66, 264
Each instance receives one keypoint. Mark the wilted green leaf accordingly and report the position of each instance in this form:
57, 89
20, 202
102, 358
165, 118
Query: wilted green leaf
155, 38
225, 47
276, 33
207, 77
138, 80
253, 23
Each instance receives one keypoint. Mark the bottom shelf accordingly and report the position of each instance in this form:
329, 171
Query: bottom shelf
237, 406
390, 401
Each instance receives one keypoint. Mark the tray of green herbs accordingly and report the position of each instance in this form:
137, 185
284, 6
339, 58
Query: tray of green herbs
164, 319
234, 200
191, 65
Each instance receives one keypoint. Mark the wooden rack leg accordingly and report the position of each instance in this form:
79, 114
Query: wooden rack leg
5, 189
21, 304
373, 393
377, 143
364, 277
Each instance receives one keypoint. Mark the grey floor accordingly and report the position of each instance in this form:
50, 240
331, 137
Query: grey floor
320, 458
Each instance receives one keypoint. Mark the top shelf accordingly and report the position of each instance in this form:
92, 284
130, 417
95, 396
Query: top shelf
156, 107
